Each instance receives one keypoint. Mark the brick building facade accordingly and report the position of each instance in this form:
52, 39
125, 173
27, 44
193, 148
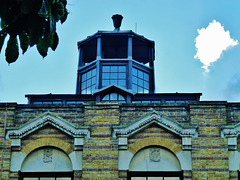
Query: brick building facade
101, 140
121, 129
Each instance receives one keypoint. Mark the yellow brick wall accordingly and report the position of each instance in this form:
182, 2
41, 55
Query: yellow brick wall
100, 151
131, 112
209, 150
7, 115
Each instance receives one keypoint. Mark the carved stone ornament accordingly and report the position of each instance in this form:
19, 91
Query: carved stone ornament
48, 118
154, 118
47, 155
155, 155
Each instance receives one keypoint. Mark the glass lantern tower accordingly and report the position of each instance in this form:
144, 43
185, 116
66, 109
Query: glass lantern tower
116, 64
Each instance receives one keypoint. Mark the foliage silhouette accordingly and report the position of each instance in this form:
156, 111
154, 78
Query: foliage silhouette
29, 23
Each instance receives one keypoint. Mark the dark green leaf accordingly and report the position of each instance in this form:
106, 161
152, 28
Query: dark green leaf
64, 17
3, 24
64, 2
55, 41
35, 30
24, 42
12, 50
2, 38
44, 44
42, 49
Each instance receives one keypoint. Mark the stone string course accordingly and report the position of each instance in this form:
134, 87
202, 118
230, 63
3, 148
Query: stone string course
210, 159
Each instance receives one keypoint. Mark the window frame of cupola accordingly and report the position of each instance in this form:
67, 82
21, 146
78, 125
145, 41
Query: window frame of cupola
112, 63
85, 70
144, 69
89, 81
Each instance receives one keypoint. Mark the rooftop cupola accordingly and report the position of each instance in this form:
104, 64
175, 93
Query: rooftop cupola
117, 58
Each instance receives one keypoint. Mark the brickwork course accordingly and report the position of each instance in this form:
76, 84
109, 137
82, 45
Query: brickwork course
210, 159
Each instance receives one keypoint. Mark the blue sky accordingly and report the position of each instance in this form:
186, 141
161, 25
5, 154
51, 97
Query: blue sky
174, 25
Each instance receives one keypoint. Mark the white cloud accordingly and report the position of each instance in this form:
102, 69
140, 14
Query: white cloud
211, 42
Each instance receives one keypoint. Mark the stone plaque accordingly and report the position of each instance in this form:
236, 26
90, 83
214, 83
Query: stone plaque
155, 155
47, 155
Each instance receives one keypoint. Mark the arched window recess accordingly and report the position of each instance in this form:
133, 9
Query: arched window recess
114, 97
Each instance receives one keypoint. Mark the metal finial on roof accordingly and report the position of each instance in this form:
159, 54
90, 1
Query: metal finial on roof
117, 20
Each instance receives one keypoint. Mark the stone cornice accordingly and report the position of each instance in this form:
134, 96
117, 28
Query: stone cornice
48, 118
230, 130
154, 118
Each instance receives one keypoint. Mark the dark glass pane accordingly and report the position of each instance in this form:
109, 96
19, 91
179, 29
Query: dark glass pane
146, 77
140, 74
114, 68
94, 80
89, 83
134, 80
84, 91
106, 98
106, 68
146, 91
113, 82
105, 83
121, 98
134, 72
94, 72
122, 68
122, 83
89, 90
88, 74
140, 82
93, 89
156, 101
146, 101
157, 178
136, 101
134, 88
106, 75
84, 77
122, 75
170, 101
146, 85
47, 102
113, 96
140, 90
114, 76
138, 178
84, 85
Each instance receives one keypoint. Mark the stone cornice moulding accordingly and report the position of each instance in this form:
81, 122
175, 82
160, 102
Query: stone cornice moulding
154, 118
48, 118
231, 132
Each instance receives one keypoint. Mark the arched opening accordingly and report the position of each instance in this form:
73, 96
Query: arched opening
114, 97
47, 163
155, 163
